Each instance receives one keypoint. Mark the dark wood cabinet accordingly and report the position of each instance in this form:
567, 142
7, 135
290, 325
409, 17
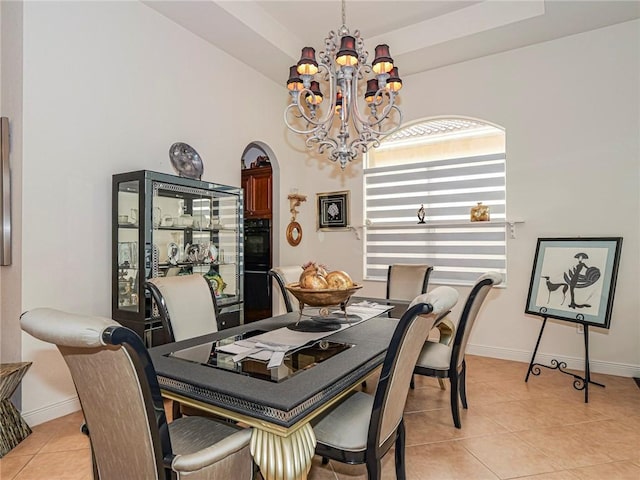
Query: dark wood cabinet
257, 186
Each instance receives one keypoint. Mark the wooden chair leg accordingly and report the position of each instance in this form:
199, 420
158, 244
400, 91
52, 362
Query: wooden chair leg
94, 466
399, 453
374, 469
463, 384
455, 409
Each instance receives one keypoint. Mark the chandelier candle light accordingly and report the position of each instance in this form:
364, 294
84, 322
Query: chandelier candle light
355, 132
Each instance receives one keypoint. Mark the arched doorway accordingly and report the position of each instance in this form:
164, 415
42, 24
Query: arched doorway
260, 175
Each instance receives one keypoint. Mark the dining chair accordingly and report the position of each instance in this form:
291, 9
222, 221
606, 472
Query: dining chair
283, 276
362, 428
186, 304
447, 361
187, 307
407, 281
122, 406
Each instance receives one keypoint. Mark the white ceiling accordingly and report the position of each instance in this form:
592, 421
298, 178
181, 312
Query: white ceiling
422, 35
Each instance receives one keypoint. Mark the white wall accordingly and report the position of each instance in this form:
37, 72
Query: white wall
108, 87
571, 110
11, 107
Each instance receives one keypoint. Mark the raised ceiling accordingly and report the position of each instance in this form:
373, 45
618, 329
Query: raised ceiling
422, 35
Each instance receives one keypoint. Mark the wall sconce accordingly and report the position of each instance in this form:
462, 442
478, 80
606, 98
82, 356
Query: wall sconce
294, 230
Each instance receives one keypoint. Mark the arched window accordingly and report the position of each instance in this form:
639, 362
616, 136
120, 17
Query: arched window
447, 165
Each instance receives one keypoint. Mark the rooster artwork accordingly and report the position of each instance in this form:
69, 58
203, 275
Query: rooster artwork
579, 276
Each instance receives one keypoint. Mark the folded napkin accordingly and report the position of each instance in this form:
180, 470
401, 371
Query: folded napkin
364, 303
275, 352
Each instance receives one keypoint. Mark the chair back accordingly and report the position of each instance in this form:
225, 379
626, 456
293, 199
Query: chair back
117, 387
470, 313
405, 282
402, 355
283, 276
187, 305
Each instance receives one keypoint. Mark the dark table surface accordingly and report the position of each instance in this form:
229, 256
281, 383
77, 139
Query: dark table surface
399, 306
289, 401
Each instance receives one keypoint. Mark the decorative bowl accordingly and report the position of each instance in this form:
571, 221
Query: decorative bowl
321, 297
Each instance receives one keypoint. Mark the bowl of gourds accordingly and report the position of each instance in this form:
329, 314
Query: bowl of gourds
318, 287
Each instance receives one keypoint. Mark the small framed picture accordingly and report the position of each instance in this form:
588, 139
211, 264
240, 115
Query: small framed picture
333, 210
574, 279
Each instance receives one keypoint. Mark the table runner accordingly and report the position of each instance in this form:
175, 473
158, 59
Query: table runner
274, 345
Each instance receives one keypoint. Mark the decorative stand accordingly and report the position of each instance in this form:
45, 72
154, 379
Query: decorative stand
579, 383
13, 428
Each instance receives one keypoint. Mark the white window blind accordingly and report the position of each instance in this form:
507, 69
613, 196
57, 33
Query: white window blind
458, 249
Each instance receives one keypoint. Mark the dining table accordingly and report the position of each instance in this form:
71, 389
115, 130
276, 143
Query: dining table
243, 374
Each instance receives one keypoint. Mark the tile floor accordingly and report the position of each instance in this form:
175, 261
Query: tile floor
540, 430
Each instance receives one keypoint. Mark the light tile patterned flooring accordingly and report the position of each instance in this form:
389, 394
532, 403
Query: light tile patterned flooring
540, 430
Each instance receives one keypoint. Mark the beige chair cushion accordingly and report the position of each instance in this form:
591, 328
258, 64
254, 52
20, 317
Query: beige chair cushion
405, 281
435, 355
198, 442
289, 274
347, 425
189, 303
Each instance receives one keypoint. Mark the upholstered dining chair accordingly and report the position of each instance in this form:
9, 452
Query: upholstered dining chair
447, 361
362, 428
122, 406
407, 281
187, 307
282, 276
186, 304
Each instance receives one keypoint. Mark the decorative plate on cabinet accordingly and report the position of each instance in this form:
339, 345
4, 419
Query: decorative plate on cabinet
186, 161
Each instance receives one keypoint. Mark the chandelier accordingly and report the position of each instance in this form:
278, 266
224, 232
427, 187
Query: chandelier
343, 128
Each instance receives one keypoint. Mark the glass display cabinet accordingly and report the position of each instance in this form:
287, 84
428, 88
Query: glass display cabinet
166, 225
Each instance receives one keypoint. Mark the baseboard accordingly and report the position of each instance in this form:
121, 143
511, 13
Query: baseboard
573, 363
50, 412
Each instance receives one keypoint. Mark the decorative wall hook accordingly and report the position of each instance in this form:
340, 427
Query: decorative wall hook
294, 229
295, 200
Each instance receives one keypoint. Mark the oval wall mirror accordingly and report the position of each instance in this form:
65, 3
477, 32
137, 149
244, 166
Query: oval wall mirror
294, 233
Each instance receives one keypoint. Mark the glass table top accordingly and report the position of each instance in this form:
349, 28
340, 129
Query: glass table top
294, 362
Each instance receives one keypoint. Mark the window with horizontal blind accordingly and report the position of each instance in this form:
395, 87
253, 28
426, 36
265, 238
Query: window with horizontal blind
447, 166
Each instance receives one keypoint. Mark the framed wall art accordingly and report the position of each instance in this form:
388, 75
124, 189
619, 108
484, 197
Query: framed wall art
574, 279
333, 210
